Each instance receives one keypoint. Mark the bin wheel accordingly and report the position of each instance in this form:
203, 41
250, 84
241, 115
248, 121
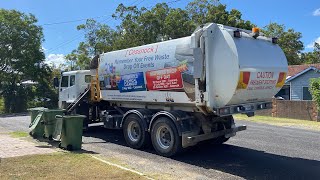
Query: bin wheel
69, 147
44, 136
50, 138
34, 136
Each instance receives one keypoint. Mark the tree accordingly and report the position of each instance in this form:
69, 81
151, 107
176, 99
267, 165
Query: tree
313, 56
178, 24
21, 58
315, 90
288, 40
212, 11
98, 39
139, 26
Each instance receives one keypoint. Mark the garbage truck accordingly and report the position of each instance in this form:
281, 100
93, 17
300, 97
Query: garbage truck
177, 93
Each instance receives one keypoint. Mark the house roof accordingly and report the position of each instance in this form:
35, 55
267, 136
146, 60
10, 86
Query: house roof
297, 70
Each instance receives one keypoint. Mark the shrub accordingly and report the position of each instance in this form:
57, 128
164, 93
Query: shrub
315, 90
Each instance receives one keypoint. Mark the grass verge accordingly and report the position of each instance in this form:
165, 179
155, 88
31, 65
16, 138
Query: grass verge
1, 105
281, 121
18, 134
61, 166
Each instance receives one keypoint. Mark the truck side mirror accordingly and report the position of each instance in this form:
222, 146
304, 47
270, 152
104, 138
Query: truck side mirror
56, 82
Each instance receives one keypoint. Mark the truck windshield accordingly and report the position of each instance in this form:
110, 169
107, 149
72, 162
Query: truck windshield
64, 81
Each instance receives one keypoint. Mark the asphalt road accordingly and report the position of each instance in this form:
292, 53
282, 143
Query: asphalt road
261, 152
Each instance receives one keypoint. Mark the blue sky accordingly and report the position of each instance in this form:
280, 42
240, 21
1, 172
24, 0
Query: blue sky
61, 39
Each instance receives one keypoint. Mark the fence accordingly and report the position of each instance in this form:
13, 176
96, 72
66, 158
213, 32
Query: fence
306, 110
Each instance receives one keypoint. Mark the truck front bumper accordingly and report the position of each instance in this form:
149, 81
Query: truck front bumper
192, 140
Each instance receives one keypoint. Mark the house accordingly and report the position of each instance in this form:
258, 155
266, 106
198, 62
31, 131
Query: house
297, 82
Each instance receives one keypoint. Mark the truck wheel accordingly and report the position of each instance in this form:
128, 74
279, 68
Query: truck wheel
165, 138
134, 133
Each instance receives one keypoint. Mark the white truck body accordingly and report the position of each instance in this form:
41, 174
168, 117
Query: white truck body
178, 92
235, 70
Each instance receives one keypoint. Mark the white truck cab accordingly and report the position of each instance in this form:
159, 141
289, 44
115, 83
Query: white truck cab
72, 83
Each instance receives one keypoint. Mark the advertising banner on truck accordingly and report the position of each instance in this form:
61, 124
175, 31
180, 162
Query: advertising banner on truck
164, 79
164, 66
132, 82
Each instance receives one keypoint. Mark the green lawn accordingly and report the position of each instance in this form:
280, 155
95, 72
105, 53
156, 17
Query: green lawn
61, 166
1, 105
305, 124
19, 134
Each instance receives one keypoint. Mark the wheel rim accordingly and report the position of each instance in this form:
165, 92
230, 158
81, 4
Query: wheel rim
164, 137
134, 131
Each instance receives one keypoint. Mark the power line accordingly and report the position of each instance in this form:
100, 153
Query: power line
75, 20
104, 21
97, 17
79, 35
71, 21
65, 43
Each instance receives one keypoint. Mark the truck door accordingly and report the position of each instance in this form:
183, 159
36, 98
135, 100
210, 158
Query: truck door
73, 93
63, 90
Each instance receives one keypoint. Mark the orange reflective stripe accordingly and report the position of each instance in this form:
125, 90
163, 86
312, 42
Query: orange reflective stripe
281, 79
243, 80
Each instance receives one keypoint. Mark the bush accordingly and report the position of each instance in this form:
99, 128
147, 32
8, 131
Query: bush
1, 105
315, 90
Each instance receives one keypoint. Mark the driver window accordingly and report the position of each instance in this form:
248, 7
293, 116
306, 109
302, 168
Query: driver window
72, 80
64, 81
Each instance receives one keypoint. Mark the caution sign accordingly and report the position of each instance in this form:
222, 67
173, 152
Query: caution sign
164, 79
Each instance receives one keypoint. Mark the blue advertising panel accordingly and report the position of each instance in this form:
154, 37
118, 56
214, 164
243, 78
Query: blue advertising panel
132, 82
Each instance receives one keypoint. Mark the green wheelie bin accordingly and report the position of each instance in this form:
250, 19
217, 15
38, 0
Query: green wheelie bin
49, 121
36, 127
71, 133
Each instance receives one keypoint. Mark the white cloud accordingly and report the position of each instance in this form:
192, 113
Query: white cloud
43, 49
316, 12
311, 45
55, 60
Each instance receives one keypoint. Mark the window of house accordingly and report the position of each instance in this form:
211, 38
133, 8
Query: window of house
64, 81
87, 78
306, 94
72, 80
284, 92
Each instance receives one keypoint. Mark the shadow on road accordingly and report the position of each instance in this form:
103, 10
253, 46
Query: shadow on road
239, 161
250, 163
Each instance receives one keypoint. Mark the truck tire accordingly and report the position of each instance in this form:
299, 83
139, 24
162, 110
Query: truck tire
134, 133
165, 138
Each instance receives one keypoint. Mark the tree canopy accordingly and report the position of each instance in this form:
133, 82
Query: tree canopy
139, 26
313, 56
288, 40
21, 58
